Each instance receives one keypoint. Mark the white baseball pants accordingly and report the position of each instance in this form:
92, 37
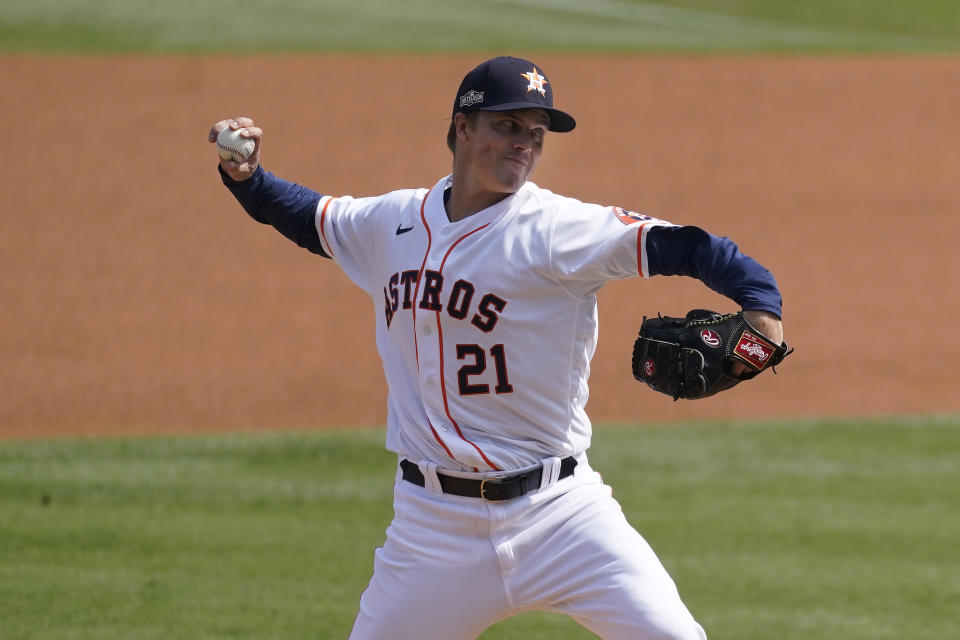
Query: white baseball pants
452, 566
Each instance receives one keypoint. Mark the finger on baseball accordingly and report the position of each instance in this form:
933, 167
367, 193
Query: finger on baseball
216, 129
242, 122
251, 132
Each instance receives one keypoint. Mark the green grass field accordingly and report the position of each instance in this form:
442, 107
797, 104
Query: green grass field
783, 26
823, 529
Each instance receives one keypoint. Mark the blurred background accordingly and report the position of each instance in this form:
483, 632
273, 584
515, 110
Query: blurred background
137, 297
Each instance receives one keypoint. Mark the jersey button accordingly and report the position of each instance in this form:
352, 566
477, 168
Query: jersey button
429, 381
427, 330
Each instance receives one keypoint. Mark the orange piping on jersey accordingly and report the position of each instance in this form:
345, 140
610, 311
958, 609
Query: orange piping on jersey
416, 296
323, 231
442, 443
446, 407
443, 385
423, 265
640, 250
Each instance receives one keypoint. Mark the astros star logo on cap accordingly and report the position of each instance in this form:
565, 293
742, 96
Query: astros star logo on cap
537, 81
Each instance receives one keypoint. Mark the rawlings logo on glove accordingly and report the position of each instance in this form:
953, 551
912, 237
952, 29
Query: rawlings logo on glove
691, 357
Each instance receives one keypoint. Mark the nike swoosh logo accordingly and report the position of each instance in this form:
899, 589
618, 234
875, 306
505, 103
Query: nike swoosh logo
402, 229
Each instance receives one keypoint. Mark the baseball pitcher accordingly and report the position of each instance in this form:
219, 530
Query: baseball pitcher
485, 287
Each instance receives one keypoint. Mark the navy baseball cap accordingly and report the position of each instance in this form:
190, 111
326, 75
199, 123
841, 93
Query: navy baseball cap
506, 83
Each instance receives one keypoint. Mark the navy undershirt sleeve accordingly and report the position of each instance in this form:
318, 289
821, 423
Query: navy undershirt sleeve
288, 207
715, 261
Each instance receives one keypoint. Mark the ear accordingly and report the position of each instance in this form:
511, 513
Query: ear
460, 125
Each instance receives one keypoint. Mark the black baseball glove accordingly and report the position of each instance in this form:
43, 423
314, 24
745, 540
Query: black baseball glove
691, 357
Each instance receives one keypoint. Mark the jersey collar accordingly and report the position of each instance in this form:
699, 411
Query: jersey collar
436, 213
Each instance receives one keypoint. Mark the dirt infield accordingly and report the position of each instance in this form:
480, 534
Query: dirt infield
136, 297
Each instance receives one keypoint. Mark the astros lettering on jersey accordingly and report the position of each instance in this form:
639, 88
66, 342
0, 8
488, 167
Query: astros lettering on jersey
471, 308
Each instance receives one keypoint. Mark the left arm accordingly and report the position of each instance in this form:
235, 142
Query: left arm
719, 264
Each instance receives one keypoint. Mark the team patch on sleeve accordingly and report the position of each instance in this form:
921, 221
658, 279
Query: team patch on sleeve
629, 217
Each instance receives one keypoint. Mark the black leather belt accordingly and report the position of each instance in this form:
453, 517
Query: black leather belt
493, 489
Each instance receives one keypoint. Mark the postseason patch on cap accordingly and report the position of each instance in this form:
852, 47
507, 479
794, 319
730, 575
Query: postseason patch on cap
470, 98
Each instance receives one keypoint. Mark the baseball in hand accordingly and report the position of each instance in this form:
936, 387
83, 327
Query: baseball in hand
232, 146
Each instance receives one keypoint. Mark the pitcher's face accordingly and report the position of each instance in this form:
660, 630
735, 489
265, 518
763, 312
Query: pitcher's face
500, 149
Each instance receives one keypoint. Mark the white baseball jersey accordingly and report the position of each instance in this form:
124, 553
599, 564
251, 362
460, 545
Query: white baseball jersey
486, 326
